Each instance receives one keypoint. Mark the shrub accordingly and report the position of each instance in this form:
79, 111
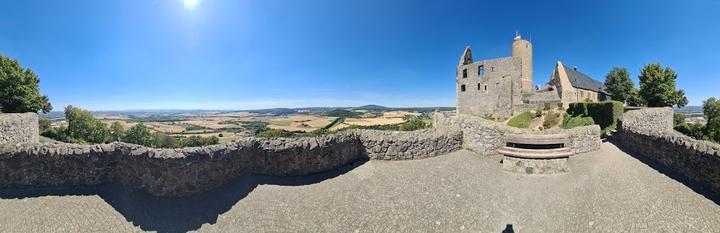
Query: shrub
604, 114
678, 118
318, 132
578, 121
546, 106
577, 109
538, 113
552, 119
696, 131
274, 133
375, 127
521, 121
560, 106
413, 124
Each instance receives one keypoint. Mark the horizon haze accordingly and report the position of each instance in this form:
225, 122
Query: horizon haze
235, 55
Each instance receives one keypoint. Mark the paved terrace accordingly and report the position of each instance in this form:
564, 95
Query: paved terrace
606, 191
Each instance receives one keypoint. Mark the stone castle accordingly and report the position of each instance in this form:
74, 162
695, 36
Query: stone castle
502, 87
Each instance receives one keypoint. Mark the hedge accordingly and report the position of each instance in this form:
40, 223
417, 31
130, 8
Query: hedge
604, 114
577, 121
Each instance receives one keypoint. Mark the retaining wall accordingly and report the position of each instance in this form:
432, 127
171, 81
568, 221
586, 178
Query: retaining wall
19, 128
180, 172
648, 132
486, 137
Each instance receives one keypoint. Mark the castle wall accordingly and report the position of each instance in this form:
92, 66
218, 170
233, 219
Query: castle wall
19, 128
492, 93
648, 132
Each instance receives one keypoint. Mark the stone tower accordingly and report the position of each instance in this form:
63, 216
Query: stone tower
523, 49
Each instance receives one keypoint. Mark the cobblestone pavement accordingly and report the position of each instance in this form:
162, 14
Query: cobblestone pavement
606, 191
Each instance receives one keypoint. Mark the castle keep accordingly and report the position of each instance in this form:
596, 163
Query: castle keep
502, 87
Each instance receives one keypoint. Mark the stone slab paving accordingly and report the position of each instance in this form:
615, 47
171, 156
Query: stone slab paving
605, 191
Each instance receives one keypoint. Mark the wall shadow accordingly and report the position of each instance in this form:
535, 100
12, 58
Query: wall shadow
179, 214
694, 185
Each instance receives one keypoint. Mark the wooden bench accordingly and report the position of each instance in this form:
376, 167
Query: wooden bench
537, 146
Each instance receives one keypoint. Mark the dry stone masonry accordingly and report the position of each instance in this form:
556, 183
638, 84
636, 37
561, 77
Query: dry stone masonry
486, 137
181, 172
18, 128
648, 132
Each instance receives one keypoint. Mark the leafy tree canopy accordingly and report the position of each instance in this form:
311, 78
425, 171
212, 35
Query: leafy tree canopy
619, 84
19, 91
657, 87
139, 134
84, 127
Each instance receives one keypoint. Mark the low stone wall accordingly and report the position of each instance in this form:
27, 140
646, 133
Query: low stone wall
648, 132
19, 128
486, 137
404, 145
180, 172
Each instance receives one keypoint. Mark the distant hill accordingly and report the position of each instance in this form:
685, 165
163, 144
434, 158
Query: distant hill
342, 113
689, 109
274, 111
372, 107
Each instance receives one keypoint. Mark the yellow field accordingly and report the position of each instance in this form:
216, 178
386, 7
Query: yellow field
303, 123
373, 121
210, 123
164, 128
399, 114
125, 124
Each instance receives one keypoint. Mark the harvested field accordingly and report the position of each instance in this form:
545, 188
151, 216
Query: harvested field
164, 128
373, 121
303, 123
211, 123
399, 114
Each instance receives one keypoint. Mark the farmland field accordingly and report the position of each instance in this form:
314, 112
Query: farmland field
234, 126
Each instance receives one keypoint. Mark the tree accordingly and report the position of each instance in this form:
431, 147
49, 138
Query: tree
139, 134
19, 91
619, 84
83, 127
711, 109
634, 99
164, 141
682, 101
657, 87
678, 118
117, 131
44, 124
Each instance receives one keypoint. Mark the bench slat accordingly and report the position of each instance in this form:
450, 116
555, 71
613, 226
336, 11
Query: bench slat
538, 139
536, 154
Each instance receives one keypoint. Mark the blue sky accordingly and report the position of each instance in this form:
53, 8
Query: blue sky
243, 54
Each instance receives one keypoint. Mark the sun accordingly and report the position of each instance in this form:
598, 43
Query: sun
190, 4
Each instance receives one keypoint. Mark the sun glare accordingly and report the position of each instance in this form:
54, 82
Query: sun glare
190, 4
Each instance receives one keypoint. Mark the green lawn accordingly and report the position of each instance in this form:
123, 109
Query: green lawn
522, 120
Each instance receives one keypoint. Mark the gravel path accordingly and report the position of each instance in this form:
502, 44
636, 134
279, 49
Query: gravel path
606, 191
